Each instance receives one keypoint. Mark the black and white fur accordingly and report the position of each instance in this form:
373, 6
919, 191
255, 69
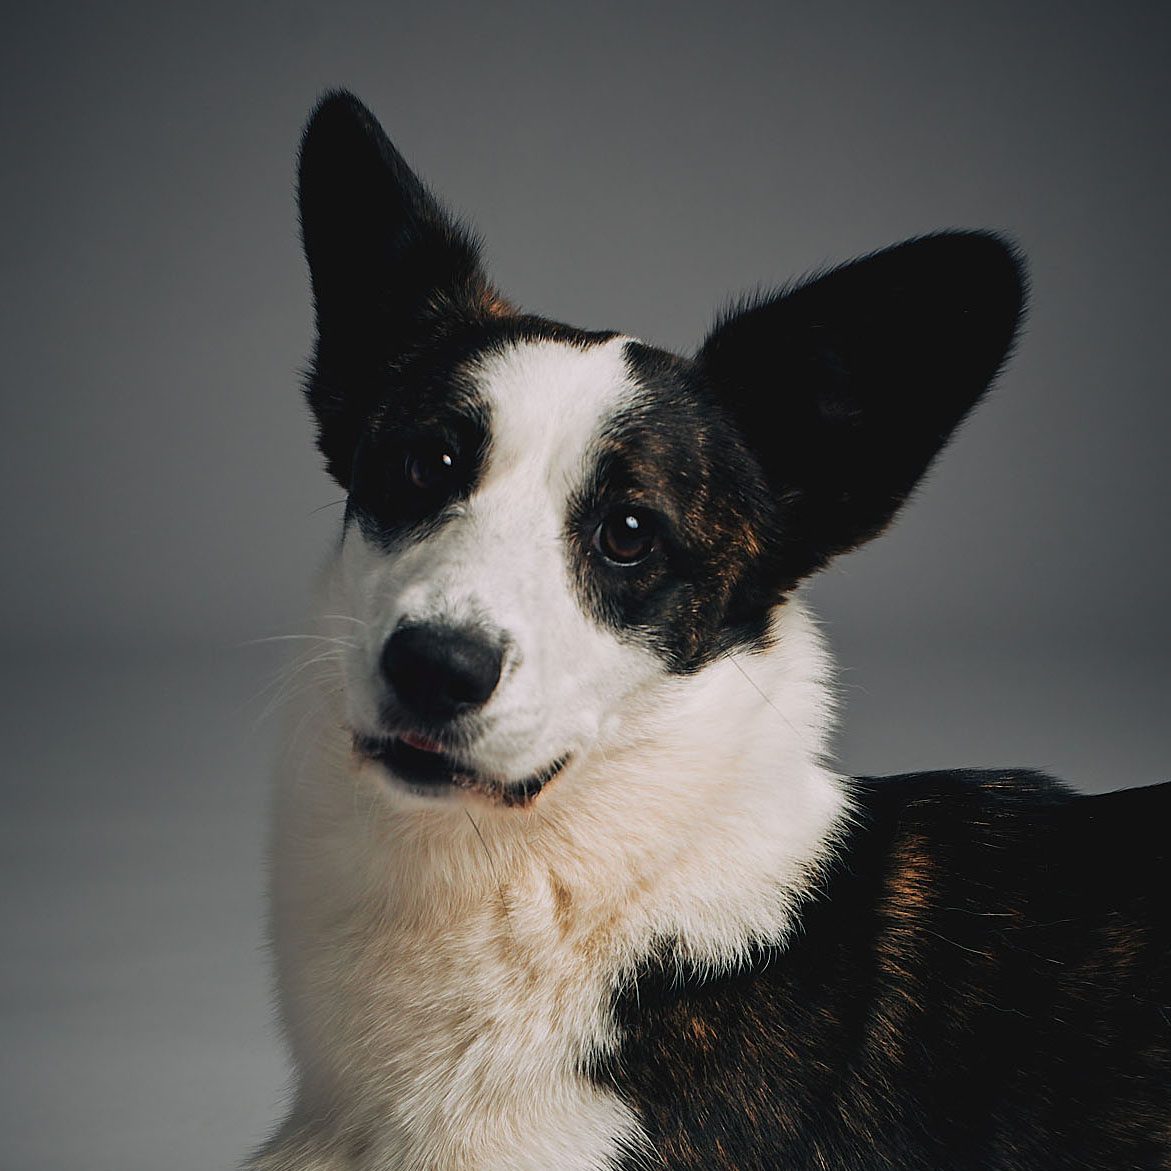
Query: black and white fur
562, 880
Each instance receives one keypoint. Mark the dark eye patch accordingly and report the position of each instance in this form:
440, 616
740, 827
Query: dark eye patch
425, 404
421, 454
673, 459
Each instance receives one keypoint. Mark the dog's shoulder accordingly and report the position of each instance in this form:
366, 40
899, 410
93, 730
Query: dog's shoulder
1014, 840
1029, 818
987, 948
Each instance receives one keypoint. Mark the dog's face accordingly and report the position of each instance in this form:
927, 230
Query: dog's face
547, 528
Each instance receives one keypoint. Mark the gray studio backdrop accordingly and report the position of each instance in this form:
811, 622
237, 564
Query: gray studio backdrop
629, 165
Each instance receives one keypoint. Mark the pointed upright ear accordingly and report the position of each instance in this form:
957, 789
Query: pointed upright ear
386, 263
847, 386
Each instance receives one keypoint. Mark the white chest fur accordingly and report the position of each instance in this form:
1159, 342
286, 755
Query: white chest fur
445, 969
440, 1015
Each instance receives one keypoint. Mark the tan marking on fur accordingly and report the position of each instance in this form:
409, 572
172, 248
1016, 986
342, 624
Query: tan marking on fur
908, 882
562, 905
702, 1032
906, 897
494, 305
1125, 943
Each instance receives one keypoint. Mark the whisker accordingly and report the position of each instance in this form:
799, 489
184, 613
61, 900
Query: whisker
297, 665
298, 638
291, 691
761, 692
288, 674
495, 876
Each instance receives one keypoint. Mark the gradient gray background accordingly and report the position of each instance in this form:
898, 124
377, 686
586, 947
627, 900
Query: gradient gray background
631, 166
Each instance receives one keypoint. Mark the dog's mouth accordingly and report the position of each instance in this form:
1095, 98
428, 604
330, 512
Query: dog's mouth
426, 768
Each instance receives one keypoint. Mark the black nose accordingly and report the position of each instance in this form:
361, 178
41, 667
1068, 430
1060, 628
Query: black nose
440, 671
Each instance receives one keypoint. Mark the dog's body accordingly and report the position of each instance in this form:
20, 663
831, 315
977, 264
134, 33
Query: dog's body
562, 881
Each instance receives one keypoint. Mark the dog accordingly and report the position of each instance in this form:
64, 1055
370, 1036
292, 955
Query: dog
561, 877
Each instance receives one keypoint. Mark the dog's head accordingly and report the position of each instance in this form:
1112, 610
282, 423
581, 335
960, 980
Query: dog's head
545, 526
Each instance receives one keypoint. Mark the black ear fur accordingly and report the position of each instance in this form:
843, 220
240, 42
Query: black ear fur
385, 261
847, 386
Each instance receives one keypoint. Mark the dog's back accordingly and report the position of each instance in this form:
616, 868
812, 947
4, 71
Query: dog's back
983, 982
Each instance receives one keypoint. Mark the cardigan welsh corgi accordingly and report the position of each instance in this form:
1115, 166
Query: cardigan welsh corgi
562, 879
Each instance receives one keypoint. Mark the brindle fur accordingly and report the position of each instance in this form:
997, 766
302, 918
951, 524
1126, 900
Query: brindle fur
982, 983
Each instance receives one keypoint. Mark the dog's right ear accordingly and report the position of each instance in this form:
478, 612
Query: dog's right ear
386, 263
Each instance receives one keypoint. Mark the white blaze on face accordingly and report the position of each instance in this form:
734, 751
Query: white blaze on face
502, 560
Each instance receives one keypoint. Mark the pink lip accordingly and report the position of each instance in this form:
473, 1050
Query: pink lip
420, 743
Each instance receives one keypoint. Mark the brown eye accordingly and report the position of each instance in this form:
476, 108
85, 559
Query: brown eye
626, 536
432, 470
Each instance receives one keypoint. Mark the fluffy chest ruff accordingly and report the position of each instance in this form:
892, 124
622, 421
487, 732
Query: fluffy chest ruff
448, 972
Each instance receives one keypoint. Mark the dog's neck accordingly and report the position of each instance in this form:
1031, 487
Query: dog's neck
476, 948
702, 815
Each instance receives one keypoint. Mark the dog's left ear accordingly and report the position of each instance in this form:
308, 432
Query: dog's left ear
387, 263
847, 386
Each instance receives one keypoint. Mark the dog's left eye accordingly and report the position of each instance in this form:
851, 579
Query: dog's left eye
433, 469
627, 535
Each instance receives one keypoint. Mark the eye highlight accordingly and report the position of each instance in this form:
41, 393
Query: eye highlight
627, 535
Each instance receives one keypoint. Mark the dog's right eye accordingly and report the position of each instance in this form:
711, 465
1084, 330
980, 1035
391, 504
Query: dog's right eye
433, 469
